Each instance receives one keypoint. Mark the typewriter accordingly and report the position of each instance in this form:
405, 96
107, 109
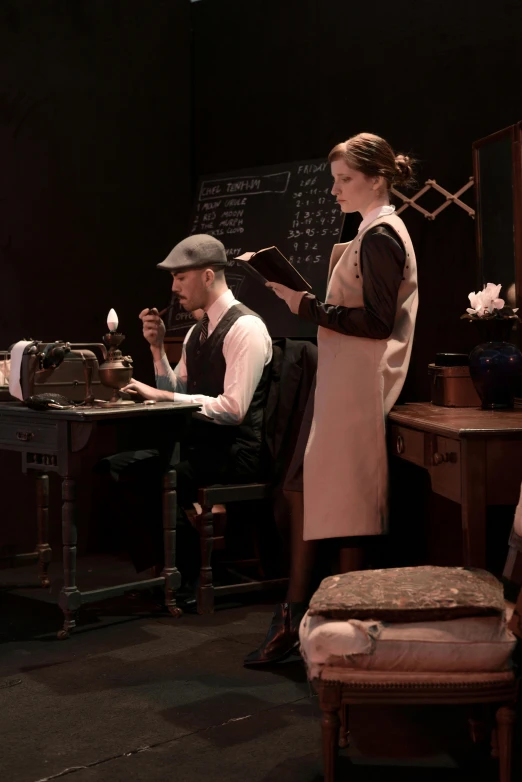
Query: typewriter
70, 370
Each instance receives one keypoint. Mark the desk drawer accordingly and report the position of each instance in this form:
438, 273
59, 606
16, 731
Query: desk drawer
444, 467
24, 435
407, 444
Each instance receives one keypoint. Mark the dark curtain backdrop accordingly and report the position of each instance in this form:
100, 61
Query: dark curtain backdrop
94, 184
94, 168
278, 81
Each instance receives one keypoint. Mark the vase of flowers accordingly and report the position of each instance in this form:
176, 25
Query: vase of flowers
495, 364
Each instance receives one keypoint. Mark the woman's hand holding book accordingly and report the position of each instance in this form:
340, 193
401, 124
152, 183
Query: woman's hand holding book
290, 297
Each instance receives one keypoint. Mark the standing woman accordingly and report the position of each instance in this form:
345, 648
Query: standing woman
364, 345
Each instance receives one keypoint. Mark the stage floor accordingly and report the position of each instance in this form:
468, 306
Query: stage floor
137, 695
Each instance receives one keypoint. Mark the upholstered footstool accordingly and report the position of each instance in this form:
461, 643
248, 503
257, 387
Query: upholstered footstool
410, 636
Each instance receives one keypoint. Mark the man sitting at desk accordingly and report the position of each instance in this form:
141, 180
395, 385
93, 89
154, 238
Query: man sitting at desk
225, 368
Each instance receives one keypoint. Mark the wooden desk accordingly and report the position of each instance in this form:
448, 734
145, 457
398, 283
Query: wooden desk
71, 442
473, 456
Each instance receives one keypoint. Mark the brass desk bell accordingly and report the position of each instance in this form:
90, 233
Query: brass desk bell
116, 370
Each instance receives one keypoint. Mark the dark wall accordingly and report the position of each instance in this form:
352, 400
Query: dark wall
278, 81
95, 179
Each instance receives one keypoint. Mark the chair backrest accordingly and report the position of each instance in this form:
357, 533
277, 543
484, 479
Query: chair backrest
293, 369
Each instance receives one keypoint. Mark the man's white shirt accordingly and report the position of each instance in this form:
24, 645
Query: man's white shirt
247, 349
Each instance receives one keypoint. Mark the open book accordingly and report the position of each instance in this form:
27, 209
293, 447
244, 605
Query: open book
270, 265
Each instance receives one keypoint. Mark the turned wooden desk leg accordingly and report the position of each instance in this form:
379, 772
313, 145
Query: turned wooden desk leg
42, 516
70, 597
473, 502
170, 572
205, 526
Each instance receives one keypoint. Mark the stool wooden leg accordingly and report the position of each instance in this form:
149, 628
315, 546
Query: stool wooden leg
494, 743
42, 516
330, 703
344, 733
205, 527
479, 722
505, 719
330, 731
170, 572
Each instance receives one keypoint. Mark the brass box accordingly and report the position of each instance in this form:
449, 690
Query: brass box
452, 387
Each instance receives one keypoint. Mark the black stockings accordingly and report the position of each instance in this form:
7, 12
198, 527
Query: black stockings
347, 553
303, 553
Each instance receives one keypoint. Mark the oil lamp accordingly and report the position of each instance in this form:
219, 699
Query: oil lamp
116, 370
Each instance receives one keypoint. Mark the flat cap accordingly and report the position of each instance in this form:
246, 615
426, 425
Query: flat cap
195, 252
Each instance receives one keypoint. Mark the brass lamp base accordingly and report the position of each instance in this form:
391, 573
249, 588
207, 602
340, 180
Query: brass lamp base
116, 371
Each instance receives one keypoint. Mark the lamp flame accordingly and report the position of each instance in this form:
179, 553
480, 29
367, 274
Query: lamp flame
112, 320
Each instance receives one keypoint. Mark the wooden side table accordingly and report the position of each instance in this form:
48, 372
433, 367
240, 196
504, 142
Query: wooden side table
473, 457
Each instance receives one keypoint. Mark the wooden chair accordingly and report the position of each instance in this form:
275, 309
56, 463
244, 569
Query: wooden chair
340, 686
293, 368
210, 527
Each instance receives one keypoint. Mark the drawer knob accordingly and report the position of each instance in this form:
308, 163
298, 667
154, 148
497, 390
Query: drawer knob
399, 445
440, 458
24, 436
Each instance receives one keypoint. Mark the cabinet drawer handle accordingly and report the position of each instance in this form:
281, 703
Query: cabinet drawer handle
399, 445
440, 458
24, 436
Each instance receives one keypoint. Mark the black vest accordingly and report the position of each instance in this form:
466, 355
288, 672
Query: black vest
206, 369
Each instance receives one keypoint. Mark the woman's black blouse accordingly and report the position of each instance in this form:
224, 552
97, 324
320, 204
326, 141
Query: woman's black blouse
382, 261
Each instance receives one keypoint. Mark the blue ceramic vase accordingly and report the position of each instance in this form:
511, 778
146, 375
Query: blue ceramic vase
495, 365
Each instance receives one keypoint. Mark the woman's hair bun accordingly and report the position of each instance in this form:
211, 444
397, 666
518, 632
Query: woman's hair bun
403, 170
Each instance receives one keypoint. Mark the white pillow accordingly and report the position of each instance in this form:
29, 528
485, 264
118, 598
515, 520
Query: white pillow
465, 645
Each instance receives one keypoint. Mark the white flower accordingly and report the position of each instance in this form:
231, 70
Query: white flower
490, 297
477, 305
485, 300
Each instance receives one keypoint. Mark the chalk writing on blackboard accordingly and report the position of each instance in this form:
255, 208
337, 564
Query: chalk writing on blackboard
289, 206
267, 183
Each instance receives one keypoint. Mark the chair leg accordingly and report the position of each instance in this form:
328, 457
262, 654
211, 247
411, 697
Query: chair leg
505, 720
205, 527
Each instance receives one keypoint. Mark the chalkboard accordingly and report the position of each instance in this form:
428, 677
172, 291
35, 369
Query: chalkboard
289, 206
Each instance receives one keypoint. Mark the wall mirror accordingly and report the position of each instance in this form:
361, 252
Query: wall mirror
497, 169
